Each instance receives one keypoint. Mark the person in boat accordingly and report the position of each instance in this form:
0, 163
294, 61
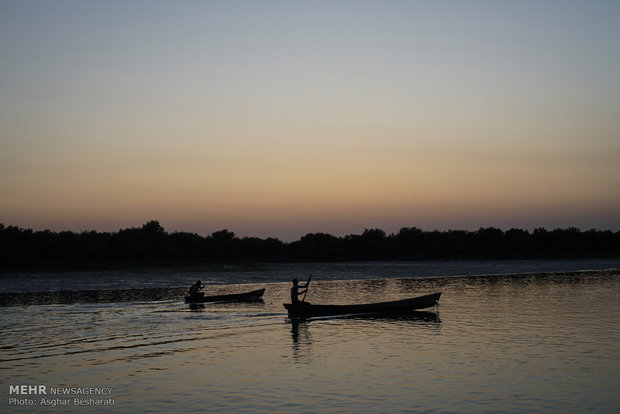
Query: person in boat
295, 292
195, 289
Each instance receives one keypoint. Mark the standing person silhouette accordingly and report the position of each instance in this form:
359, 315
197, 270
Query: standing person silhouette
295, 292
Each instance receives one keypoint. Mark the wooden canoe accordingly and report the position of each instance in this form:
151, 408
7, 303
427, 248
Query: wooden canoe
235, 297
306, 309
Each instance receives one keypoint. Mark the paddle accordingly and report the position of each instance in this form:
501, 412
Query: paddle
307, 285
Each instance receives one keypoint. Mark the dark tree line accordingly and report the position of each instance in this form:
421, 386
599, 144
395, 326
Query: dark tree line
152, 244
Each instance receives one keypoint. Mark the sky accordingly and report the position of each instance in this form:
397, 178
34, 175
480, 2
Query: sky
282, 118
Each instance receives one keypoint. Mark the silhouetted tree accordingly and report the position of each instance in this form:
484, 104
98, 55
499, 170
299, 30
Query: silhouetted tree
224, 245
27, 248
317, 246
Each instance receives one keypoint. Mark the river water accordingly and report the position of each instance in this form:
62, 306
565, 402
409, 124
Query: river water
517, 339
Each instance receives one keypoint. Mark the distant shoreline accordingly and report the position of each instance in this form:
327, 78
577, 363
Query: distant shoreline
151, 246
52, 266
203, 266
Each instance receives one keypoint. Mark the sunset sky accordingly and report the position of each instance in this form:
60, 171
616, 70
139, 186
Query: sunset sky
281, 118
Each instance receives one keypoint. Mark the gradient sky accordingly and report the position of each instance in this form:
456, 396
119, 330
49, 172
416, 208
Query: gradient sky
281, 118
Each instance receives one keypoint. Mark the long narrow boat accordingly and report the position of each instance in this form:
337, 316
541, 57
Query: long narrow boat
235, 297
305, 309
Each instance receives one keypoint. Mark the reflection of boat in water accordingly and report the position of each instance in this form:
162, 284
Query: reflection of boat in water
424, 316
305, 309
254, 295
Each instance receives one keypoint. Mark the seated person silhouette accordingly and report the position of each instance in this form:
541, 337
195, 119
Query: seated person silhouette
194, 290
295, 292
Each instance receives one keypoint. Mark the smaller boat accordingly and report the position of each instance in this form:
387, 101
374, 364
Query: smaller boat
235, 297
305, 309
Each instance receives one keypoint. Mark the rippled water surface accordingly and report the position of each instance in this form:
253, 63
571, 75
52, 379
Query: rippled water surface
512, 343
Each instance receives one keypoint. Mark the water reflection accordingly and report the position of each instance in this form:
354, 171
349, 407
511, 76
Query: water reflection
508, 344
404, 316
199, 307
302, 339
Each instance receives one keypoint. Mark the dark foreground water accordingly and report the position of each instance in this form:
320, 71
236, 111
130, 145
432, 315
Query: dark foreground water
539, 342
